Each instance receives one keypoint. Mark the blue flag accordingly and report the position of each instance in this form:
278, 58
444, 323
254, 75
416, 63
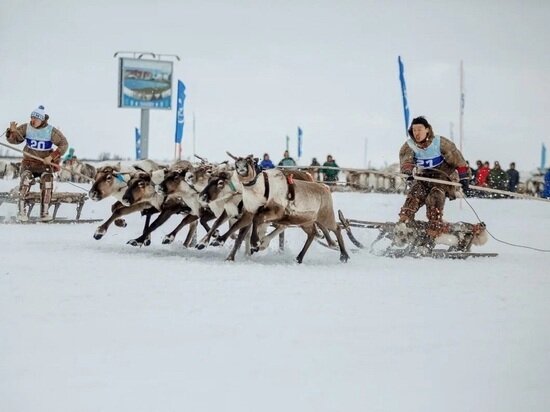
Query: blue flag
300, 138
404, 93
179, 112
138, 144
543, 157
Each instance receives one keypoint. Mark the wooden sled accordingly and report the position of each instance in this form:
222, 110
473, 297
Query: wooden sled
58, 198
414, 241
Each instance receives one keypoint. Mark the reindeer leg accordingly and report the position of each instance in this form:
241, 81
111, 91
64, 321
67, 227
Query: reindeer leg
169, 238
242, 233
244, 220
114, 207
191, 238
219, 221
122, 211
266, 240
311, 232
148, 229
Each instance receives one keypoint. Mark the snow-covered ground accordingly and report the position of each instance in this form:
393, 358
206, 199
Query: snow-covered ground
89, 325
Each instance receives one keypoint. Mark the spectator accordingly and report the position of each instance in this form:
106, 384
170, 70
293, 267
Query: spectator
497, 179
482, 174
287, 160
266, 163
330, 175
69, 157
513, 178
314, 162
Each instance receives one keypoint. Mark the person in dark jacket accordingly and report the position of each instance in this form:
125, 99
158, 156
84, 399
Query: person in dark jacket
497, 179
513, 178
266, 163
330, 175
287, 160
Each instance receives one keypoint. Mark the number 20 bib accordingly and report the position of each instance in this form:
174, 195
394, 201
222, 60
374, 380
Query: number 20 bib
39, 139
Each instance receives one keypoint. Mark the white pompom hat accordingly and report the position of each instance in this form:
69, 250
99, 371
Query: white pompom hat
39, 113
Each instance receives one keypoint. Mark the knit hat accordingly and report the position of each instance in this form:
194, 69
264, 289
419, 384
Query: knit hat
39, 113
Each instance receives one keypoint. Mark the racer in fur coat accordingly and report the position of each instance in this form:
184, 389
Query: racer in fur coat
435, 157
40, 139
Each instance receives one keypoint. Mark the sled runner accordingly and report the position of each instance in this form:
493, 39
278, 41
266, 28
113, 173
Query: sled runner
412, 240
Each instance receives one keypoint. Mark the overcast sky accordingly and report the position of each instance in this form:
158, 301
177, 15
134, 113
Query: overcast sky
255, 70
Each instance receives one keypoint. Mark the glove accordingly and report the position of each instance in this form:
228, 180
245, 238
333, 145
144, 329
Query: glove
53, 160
409, 180
464, 178
465, 185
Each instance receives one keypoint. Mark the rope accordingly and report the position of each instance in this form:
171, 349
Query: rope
503, 241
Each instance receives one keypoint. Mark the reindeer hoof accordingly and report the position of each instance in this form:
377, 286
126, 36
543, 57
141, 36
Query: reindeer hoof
217, 242
98, 234
147, 242
120, 223
254, 249
168, 239
344, 258
134, 242
298, 260
200, 246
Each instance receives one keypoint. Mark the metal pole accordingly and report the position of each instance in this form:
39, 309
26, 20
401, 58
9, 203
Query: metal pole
144, 133
365, 153
194, 138
461, 124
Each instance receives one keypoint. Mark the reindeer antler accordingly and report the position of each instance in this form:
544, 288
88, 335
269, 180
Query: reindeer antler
203, 160
231, 156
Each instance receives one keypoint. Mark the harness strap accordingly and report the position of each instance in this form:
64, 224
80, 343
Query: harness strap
266, 184
266, 189
291, 195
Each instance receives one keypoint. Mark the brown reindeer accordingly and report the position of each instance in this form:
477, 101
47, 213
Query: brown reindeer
268, 198
181, 197
112, 180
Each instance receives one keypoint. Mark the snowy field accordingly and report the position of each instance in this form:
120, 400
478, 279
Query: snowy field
89, 325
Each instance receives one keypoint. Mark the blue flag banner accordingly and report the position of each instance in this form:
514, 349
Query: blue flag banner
404, 93
138, 144
543, 157
179, 112
300, 140
287, 142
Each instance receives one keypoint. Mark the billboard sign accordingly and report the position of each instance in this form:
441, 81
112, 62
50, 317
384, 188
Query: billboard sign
145, 84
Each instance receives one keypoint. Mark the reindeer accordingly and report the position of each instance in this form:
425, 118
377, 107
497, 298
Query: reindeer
112, 180
180, 188
223, 196
268, 198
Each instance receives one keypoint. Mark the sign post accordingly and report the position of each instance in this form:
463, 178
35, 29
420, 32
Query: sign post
145, 84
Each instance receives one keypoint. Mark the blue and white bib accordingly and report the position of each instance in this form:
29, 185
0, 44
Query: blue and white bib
39, 139
429, 157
